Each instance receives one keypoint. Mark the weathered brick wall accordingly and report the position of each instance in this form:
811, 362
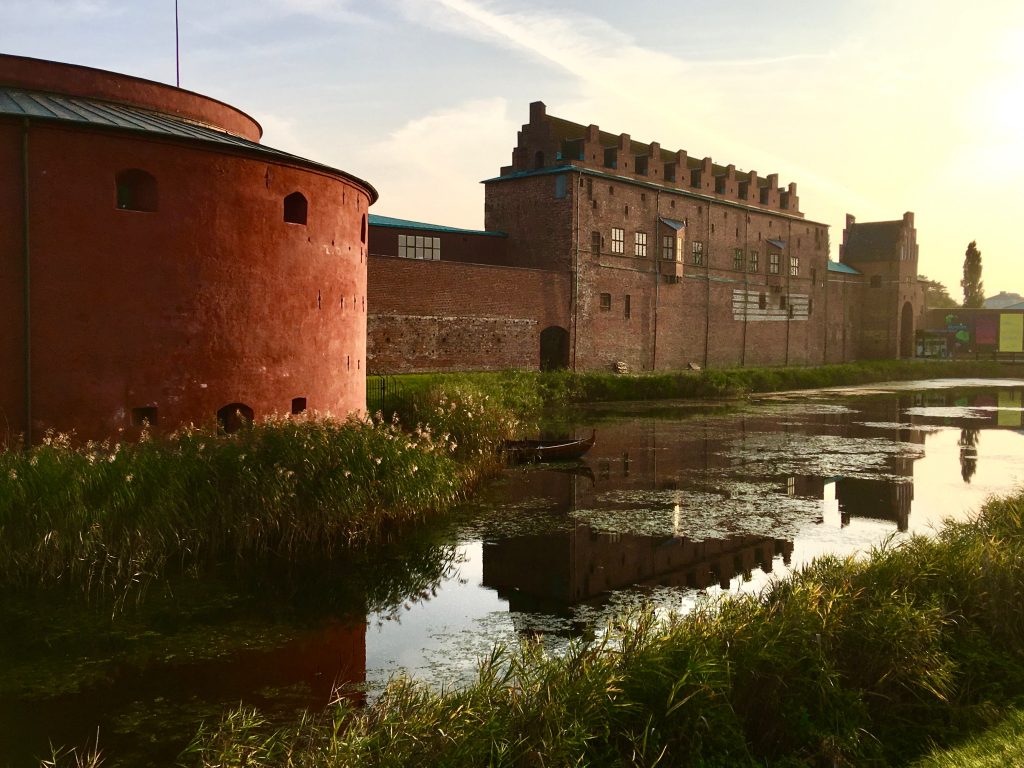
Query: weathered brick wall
538, 224
843, 317
698, 317
445, 316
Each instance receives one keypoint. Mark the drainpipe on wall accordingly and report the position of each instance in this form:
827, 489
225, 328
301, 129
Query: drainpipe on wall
746, 286
824, 347
27, 285
575, 298
707, 287
657, 274
789, 282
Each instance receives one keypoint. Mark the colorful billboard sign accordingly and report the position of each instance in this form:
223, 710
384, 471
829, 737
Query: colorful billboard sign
1011, 333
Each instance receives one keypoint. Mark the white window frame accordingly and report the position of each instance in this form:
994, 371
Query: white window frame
640, 244
423, 247
697, 250
618, 240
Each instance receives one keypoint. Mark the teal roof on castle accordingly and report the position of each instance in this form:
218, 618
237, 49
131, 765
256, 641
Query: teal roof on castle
838, 266
388, 221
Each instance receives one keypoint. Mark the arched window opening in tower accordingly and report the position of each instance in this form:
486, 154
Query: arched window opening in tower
295, 208
234, 416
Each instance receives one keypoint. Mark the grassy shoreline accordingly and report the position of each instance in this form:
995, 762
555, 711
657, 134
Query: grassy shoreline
849, 662
530, 389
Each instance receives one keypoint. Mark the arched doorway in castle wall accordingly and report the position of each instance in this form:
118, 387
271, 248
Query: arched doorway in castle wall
554, 348
907, 331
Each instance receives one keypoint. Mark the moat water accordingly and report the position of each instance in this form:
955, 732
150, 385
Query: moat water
675, 503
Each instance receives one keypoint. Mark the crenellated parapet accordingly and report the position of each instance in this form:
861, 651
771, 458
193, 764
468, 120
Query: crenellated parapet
550, 142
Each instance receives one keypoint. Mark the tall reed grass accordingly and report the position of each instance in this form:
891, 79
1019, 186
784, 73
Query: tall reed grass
849, 662
108, 517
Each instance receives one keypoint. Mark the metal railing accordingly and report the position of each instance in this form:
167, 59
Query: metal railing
388, 396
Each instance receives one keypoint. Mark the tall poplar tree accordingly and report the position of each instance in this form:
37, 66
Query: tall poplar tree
974, 290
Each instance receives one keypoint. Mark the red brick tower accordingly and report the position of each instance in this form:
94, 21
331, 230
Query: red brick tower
159, 264
885, 253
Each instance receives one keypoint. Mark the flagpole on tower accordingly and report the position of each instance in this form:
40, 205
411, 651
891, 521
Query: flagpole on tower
177, 49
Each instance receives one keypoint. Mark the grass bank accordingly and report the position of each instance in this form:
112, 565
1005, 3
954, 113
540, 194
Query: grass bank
849, 662
527, 389
998, 746
110, 517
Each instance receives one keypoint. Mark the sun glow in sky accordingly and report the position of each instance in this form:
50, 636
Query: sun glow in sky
873, 108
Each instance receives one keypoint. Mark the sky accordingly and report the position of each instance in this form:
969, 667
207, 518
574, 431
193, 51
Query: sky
872, 107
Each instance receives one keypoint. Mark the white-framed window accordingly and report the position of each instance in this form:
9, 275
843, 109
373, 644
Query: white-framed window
794, 265
618, 240
640, 243
774, 260
419, 247
737, 259
668, 247
697, 250
754, 259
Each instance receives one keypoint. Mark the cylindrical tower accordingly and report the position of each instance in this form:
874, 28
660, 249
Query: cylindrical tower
158, 264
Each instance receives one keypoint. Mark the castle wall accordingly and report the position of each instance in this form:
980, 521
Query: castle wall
450, 316
537, 221
210, 299
844, 302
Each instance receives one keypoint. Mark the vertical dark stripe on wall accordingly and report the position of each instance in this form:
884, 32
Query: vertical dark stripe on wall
27, 264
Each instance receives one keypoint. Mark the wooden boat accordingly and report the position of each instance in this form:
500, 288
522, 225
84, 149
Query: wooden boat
522, 451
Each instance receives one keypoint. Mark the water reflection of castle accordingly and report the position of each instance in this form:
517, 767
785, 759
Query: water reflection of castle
552, 571
549, 572
555, 570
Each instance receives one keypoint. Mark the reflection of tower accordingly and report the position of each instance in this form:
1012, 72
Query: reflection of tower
877, 499
968, 453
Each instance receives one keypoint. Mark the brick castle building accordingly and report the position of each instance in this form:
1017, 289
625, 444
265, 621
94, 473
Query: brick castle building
600, 252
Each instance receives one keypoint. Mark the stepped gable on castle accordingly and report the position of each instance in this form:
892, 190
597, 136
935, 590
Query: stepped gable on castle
162, 266
880, 240
548, 142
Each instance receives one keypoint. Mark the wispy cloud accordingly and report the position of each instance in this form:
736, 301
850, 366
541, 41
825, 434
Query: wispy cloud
45, 11
236, 16
430, 168
666, 97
